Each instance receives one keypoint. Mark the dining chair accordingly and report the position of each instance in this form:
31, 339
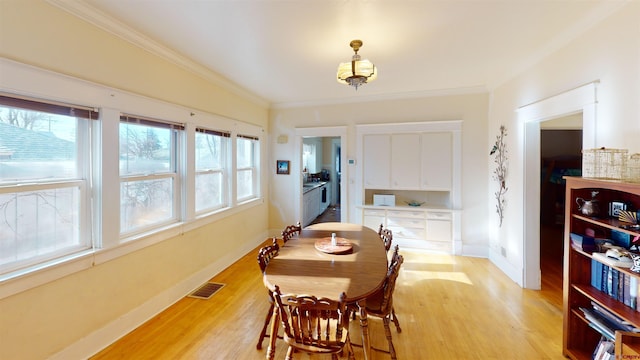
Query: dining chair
314, 325
290, 231
387, 237
380, 303
265, 254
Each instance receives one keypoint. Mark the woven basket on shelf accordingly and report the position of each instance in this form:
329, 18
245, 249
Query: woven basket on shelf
604, 163
633, 169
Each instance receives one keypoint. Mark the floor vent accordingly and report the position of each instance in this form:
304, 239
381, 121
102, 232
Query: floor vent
206, 291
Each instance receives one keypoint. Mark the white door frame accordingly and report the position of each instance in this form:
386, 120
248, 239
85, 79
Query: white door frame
581, 99
329, 131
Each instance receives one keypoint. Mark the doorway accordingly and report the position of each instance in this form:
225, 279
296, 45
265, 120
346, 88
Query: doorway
331, 158
321, 162
560, 155
583, 100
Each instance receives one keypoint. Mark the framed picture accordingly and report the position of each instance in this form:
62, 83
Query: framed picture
282, 167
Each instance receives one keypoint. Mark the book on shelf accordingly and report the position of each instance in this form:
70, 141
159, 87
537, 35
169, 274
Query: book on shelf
604, 350
614, 282
617, 322
599, 323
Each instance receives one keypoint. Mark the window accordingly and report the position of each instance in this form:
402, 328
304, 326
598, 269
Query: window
211, 153
247, 167
44, 181
149, 193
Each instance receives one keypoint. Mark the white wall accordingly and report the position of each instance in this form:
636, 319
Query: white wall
609, 53
472, 109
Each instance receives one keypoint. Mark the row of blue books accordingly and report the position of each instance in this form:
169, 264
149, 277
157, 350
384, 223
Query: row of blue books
617, 284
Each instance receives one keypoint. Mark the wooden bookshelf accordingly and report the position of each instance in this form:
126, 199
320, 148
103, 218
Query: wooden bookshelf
579, 338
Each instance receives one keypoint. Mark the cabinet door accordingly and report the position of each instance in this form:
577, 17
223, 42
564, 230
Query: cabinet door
437, 155
405, 161
376, 161
311, 205
439, 226
373, 219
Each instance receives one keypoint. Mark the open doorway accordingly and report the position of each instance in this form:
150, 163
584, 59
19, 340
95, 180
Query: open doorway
330, 143
321, 163
583, 100
560, 155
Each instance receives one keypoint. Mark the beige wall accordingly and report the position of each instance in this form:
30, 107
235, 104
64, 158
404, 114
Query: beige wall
43, 321
471, 108
609, 53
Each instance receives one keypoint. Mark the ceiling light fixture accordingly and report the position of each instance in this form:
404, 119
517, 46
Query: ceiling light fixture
356, 72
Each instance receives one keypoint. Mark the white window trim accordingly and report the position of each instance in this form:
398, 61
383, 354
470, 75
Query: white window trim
34, 82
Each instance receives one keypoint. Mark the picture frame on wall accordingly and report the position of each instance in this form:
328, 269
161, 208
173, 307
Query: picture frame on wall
282, 167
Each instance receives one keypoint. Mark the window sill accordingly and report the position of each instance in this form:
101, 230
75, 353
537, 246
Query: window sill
24, 279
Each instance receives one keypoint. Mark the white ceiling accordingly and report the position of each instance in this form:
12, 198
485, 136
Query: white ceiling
287, 52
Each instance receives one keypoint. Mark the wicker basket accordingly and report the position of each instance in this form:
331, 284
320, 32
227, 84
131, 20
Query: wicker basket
633, 169
604, 163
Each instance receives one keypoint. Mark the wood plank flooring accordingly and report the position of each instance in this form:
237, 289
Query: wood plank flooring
449, 307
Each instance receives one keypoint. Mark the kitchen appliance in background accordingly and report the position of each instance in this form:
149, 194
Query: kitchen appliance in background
324, 175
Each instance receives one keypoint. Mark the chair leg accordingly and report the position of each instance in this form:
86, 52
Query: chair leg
395, 320
387, 332
289, 355
263, 333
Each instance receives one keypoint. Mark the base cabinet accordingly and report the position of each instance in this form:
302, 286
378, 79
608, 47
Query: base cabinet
311, 204
413, 228
592, 284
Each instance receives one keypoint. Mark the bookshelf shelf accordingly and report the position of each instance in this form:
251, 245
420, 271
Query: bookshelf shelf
580, 336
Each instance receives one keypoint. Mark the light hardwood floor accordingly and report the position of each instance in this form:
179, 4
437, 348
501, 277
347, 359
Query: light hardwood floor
449, 307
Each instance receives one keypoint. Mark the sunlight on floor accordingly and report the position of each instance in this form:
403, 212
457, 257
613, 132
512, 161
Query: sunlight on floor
419, 266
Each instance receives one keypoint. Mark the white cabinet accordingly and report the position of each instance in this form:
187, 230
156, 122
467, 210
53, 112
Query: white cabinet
311, 205
429, 229
407, 224
377, 161
405, 161
408, 161
438, 226
373, 218
437, 160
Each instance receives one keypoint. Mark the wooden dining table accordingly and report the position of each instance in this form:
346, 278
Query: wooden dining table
306, 264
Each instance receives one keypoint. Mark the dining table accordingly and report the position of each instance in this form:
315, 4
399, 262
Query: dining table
355, 263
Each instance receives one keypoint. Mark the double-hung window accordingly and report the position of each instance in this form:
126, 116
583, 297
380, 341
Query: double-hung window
211, 164
247, 160
149, 180
45, 183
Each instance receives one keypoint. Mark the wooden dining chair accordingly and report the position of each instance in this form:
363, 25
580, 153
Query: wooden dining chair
380, 303
290, 231
387, 237
265, 254
313, 325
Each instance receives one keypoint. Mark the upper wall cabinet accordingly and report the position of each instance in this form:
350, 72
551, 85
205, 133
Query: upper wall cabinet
437, 161
405, 161
408, 161
377, 161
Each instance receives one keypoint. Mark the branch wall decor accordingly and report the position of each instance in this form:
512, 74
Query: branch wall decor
499, 150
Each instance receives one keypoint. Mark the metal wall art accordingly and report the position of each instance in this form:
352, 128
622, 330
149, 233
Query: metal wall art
499, 150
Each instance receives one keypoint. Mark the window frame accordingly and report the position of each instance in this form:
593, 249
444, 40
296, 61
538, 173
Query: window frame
85, 118
254, 168
173, 173
224, 170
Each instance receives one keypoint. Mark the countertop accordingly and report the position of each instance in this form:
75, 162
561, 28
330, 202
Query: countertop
308, 186
423, 207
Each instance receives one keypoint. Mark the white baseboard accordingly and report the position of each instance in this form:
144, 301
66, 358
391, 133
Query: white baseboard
506, 267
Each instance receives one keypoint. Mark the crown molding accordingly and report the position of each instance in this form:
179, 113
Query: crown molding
111, 25
478, 89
